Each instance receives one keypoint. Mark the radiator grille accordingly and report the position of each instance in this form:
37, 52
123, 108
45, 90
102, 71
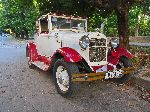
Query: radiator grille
97, 50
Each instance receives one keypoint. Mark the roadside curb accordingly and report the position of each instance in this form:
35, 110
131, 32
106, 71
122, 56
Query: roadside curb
147, 79
141, 82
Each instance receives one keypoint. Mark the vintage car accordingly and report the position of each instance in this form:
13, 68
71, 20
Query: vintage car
63, 45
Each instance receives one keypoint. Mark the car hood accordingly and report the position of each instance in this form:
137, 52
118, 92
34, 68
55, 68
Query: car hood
71, 39
70, 36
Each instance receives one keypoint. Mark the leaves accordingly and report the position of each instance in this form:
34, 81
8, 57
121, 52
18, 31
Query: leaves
20, 15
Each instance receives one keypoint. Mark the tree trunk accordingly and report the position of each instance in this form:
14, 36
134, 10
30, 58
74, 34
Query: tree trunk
137, 30
22, 35
122, 16
26, 34
17, 35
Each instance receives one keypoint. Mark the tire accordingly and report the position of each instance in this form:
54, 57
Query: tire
62, 76
124, 62
28, 55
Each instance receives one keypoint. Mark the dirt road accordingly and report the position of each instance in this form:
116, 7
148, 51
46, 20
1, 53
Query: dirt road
32, 90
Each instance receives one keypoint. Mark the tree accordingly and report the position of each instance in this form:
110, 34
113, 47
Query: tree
87, 7
139, 19
18, 16
121, 8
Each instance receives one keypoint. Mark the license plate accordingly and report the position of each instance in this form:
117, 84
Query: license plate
114, 74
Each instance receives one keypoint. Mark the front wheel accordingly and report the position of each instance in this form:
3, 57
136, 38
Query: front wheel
124, 62
62, 73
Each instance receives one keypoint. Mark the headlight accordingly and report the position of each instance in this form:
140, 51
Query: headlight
114, 42
84, 42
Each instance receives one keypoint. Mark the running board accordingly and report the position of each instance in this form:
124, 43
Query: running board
41, 65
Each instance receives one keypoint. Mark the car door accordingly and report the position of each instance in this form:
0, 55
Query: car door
47, 44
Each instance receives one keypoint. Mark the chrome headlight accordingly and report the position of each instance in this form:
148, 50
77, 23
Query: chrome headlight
114, 42
84, 42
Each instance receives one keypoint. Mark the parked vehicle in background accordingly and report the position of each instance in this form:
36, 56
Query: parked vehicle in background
63, 44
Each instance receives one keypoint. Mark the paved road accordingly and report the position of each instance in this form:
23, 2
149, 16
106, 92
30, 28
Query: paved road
32, 90
139, 44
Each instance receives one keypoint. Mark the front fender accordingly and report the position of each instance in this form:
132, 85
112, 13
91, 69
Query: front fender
69, 54
117, 53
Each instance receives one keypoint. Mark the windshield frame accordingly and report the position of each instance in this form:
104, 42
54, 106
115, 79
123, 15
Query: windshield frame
69, 18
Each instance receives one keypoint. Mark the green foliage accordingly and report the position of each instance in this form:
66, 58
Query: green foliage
134, 13
110, 23
68, 7
144, 25
139, 17
19, 16
95, 21
111, 26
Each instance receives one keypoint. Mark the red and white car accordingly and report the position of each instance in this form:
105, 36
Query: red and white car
63, 45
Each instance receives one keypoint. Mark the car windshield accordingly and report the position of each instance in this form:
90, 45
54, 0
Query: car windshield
70, 24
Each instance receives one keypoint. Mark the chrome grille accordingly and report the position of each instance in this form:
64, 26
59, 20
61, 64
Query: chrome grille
97, 50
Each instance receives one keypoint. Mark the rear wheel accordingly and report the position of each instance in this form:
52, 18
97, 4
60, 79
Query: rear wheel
124, 62
62, 73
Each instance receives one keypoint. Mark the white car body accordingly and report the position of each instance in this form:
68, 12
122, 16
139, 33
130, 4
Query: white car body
63, 44
48, 43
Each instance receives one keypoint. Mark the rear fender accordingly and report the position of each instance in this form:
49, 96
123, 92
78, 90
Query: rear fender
69, 54
32, 48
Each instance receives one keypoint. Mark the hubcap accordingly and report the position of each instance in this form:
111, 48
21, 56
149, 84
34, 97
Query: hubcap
62, 77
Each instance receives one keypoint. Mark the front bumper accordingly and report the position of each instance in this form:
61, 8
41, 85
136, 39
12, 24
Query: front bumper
101, 75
